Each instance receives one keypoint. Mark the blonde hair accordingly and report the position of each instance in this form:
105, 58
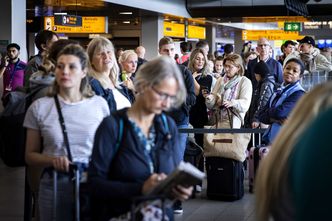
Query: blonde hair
124, 56
96, 45
193, 56
157, 70
237, 61
273, 171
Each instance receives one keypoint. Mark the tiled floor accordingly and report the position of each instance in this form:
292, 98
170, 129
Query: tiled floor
198, 209
11, 193
203, 209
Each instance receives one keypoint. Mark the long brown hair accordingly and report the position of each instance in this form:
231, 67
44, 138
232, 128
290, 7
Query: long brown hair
273, 170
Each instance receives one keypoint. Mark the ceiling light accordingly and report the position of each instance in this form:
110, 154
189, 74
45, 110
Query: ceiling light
125, 13
126, 22
60, 13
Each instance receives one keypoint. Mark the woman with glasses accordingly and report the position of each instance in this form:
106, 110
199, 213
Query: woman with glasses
233, 91
104, 72
149, 148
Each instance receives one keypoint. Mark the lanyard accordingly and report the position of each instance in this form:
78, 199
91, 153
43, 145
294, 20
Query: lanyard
12, 73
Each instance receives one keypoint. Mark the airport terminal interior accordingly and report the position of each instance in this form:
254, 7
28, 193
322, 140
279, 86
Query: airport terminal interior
242, 28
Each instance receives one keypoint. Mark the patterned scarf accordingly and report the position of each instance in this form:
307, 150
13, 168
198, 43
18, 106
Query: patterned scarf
229, 92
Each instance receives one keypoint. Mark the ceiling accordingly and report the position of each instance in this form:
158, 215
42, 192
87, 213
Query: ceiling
39, 8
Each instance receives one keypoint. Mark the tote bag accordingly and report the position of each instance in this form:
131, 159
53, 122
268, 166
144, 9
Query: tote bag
227, 145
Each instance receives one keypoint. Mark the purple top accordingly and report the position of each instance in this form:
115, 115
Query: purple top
13, 76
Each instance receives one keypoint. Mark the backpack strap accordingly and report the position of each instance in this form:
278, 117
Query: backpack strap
164, 119
120, 135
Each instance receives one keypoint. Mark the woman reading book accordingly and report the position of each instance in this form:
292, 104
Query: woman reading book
130, 162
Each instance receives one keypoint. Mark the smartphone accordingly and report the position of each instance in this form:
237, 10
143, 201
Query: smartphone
205, 90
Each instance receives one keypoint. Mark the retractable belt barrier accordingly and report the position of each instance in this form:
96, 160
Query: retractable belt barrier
220, 130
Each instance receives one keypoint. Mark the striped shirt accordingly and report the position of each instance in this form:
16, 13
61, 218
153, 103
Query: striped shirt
81, 119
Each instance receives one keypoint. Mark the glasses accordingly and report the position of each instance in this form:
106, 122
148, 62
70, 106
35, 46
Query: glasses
263, 45
164, 96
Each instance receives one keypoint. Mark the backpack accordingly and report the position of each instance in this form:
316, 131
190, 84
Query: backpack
12, 132
120, 132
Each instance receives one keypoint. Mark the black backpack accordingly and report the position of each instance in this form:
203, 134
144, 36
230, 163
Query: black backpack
12, 132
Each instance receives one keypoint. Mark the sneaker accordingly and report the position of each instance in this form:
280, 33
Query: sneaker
177, 207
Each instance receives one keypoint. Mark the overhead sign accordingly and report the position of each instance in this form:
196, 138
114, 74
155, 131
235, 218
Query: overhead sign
174, 30
275, 19
68, 20
318, 25
90, 24
196, 32
293, 26
270, 35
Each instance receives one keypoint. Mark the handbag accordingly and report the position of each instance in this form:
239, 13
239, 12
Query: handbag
83, 209
146, 208
227, 145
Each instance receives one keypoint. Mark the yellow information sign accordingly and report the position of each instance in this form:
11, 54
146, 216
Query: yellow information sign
90, 24
174, 30
196, 32
270, 35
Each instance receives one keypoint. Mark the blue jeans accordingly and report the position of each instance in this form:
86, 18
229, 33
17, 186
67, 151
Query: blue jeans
182, 140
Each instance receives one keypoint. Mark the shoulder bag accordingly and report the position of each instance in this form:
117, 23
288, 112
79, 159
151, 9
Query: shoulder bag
227, 145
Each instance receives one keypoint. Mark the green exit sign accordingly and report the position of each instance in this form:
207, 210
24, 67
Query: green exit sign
293, 26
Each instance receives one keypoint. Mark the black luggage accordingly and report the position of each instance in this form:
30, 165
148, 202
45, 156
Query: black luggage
80, 194
224, 178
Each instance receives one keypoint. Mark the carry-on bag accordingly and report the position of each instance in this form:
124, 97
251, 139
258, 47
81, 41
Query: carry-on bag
256, 154
81, 212
224, 178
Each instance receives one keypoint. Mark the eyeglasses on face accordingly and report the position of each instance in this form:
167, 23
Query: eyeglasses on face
264, 45
163, 96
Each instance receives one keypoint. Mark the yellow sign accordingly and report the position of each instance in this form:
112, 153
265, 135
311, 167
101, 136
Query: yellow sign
275, 19
174, 30
89, 25
196, 32
270, 35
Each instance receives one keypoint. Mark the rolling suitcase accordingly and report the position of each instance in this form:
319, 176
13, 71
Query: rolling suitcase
224, 178
256, 154
80, 196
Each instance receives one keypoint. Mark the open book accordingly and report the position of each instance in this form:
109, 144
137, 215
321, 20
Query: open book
185, 175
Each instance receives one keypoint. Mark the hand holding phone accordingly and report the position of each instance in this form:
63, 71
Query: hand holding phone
205, 90
4, 61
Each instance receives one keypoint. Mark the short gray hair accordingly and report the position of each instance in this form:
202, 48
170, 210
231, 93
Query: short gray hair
155, 71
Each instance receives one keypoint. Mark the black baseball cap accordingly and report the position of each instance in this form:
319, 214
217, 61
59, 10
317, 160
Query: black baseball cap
308, 40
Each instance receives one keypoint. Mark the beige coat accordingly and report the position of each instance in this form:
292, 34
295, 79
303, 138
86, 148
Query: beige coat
242, 102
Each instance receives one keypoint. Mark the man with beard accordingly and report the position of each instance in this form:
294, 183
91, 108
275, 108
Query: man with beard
12, 70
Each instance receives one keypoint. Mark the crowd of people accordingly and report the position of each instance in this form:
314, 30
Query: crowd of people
100, 86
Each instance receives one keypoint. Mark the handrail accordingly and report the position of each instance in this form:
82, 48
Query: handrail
220, 130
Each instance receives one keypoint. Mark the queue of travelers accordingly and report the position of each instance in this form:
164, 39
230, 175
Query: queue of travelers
104, 87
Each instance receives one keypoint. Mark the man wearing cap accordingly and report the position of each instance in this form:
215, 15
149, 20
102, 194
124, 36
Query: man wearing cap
310, 56
12, 70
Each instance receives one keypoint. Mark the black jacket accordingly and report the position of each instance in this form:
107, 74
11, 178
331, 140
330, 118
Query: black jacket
115, 177
181, 115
